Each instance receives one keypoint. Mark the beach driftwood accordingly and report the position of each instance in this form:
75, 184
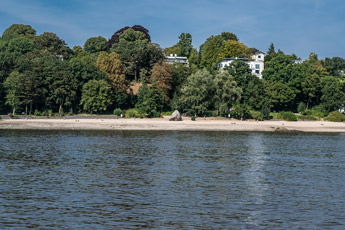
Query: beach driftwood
176, 116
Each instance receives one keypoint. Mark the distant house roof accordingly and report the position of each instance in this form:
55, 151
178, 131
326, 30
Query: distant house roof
174, 58
233, 59
259, 52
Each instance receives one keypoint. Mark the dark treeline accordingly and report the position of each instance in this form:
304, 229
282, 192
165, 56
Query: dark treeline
40, 75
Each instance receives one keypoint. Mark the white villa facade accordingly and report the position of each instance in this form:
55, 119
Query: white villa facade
256, 64
174, 58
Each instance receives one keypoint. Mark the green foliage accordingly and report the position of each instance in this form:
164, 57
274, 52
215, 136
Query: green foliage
111, 65
198, 92
318, 111
18, 30
175, 49
301, 107
96, 44
118, 112
212, 47
253, 88
241, 112
20, 45
185, 45
335, 116
161, 75
62, 87
132, 50
287, 116
256, 115
307, 118
168, 113
265, 111
180, 73
233, 49
132, 113
150, 101
279, 68
96, 96
226, 92
334, 66
280, 95
13, 87
52, 43
333, 96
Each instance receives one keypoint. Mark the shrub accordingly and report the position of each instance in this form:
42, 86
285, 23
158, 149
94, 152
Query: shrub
307, 112
169, 113
287, 116
265, 111
241, 112
132, 113
193, 118
210, 113
335, 116
118, 112
37, 113
317, 111
307, 118
301, 107
257, 115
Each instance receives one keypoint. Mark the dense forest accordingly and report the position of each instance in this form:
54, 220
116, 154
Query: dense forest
41, 75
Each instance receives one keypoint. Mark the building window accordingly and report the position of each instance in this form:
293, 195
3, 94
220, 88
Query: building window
257, 66
259, 56
257, 71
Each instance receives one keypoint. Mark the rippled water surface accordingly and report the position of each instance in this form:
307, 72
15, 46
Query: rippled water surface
171, 180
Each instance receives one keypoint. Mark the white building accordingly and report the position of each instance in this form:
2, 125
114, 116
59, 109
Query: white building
174, 58
256, 64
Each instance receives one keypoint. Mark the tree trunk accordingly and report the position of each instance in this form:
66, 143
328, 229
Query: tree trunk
60, 109
14, 110
26, 109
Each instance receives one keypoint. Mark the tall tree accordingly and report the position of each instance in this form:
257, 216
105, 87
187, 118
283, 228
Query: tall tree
335, 66
20, 45
253, 89
227, 93
52, 43
333, 96
150, 100
234, 49
96, 96
96, 44
212, 47
116, 36
19, 30
185, 44
63, 86
162, 76
132, 49
13, 88
280, 95
111, 65
198, 92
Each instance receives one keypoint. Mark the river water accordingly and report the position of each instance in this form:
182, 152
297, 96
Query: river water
171, 180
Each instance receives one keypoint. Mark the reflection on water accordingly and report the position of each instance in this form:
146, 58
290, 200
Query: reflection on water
171, 180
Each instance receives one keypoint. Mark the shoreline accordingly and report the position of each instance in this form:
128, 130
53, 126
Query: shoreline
164, 124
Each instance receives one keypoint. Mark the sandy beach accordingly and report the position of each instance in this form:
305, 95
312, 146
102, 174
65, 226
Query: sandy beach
164, 124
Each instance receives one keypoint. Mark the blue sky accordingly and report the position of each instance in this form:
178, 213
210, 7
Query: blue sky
294, 26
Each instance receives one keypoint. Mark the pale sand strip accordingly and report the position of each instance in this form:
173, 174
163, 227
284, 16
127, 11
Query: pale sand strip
165, 124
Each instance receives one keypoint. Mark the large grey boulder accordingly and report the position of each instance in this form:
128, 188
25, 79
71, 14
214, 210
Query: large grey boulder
176, 116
